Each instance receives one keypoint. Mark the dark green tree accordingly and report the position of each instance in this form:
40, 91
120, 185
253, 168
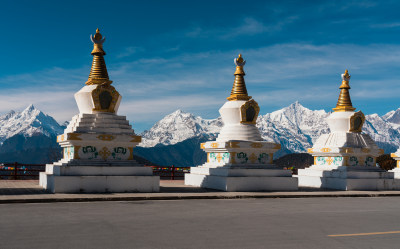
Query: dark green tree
386, 162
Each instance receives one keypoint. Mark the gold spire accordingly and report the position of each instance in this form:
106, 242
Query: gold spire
344, 101
239, 91
98, 73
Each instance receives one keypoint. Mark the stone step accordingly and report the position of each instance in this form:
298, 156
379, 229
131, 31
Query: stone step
103, 130
98, 163
242, 184
94, 162
105, 125
99, 184
91, 170
105, 121
100, 114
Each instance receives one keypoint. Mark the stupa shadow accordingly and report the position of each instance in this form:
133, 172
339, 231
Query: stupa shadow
21, 187
177, 186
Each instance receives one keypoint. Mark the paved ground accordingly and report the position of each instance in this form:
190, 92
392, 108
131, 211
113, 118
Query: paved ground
236, 223
29, 192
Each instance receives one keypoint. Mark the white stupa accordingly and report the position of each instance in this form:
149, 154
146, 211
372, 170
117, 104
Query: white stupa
239, 159
345, 159
98, 144
396, 171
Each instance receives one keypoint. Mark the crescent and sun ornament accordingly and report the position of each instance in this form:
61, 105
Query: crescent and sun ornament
97, 38
240, 62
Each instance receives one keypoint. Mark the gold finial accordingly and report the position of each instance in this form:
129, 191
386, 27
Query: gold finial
97, 36
98, 73
239, 91
344, 101
346, 74
240, 58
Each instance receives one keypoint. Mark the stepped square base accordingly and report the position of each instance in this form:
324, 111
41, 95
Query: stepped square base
347, 178
99, 184
396, 173
242, 179
98, 179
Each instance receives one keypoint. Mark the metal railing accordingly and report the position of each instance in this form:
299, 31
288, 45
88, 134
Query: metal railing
20, 171
170, 172
24, 171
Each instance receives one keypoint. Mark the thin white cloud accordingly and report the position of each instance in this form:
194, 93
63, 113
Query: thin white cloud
251, 26
58, 104
276, 76
144, 109
247, 26
385, 25
128, 51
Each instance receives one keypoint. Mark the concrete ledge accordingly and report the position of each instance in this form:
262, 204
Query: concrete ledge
368, 184
241, 172
27, 191
241, 184
98, 170
347, 172
185, 196
99, 184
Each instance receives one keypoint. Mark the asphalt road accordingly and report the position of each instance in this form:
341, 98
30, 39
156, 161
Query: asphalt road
243, 223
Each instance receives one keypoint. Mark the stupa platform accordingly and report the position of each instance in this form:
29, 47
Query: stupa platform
29, 191
348, 178
242, 178
345, 159
239, 160
98, 144
105, 183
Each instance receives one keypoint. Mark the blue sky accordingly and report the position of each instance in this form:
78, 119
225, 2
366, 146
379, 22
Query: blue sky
169, 55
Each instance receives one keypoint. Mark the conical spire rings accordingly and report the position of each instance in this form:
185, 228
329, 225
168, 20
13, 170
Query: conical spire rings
344, 101
239, 91
98, 73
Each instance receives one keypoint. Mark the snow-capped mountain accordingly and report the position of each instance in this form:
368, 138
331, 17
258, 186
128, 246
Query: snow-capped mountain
29, 122
179, 126
295, 127
392, 117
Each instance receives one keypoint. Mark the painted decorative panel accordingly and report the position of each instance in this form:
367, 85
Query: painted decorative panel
330, 161
263, 158
65, 152
89, 152
220, 158
369, 161
225, 157
241, 158
120, 153
212, 157
92, 152
68, 152
353, 161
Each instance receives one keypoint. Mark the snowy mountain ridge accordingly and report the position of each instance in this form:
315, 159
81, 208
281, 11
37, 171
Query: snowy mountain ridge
179, 126
295, 127
29, 122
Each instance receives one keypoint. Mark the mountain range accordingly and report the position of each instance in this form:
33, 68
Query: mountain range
30, 136
295, 127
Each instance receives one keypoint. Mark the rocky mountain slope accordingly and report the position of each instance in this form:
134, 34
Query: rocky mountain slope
295, 127
179, 126
29, 136
29, 122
